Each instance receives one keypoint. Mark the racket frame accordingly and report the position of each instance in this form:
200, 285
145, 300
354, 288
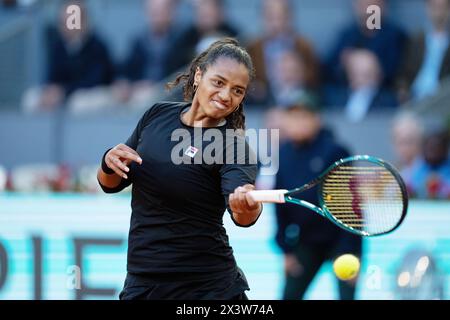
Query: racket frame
324, 211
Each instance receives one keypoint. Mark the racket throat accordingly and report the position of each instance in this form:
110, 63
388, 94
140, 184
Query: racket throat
305, 204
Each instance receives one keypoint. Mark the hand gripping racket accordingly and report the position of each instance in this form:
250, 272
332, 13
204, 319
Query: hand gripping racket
361, 194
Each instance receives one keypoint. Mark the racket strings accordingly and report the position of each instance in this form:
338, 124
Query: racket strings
366, 198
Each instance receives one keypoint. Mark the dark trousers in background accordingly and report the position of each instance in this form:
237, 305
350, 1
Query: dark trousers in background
311, 258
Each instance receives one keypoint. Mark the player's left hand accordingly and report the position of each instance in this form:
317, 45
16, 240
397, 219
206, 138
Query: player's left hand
241, 202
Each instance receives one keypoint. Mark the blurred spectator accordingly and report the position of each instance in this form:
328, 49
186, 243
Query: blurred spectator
276, 117
76, 59
209, 24
9, 3
419, 277
307, 239
429, 175
149, 59
387, 43
86, 180
427, 59
407, 135
41, 177
3, 178
365, 91
279, 38
290, 77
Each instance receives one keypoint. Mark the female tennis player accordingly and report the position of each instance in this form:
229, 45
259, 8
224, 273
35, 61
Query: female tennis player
177, 246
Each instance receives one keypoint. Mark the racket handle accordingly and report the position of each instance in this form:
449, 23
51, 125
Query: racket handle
273, 196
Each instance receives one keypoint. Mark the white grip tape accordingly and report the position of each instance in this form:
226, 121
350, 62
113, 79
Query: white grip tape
274, 196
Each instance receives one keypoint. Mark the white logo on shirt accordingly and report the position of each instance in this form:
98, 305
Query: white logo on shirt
191, 151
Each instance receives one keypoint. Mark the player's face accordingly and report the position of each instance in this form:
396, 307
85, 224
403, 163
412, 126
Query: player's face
221, 87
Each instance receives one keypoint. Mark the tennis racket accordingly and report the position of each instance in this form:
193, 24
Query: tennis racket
361, 194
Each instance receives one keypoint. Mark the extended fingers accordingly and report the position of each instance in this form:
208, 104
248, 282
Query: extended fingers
128, 156
117, 166
124, 151
119, 157
120, 164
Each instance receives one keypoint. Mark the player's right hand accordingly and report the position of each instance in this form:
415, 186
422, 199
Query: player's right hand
119, 157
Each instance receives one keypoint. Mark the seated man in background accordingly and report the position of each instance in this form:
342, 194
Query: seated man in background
429, 176
386, 43
77, 59
407, 136
290, 78
290, 73
365, 91
307, 239
149, 59
268, 51
209, 24
427, 59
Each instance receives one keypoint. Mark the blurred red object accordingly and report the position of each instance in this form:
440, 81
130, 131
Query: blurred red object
62, 182
434, 184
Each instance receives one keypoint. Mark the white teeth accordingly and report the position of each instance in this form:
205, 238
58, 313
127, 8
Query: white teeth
220, 106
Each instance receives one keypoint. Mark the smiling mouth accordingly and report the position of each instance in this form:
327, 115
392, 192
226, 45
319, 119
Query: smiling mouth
219, 105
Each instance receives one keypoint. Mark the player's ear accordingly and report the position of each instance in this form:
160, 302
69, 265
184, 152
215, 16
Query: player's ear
197, 75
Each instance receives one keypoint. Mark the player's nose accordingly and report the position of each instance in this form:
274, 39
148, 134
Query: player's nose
224, 95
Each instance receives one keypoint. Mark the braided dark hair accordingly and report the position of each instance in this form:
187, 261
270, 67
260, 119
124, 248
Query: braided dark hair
226, 47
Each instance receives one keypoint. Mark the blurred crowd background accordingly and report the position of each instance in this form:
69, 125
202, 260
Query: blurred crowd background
391, 82
321, 75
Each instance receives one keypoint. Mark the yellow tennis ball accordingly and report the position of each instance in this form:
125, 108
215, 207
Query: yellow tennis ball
346, 267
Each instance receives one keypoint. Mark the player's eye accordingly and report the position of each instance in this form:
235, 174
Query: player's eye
239, 91
217, 82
